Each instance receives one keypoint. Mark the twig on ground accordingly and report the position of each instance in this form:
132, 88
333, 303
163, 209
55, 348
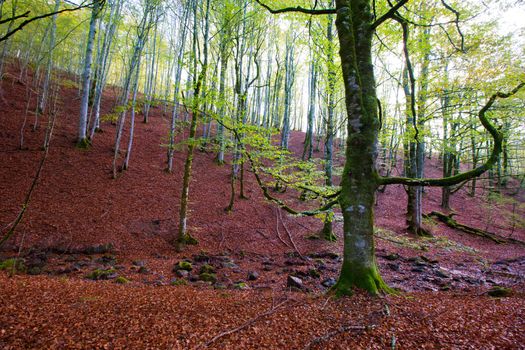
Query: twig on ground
277, 228
342, 329
272, 310
290, 236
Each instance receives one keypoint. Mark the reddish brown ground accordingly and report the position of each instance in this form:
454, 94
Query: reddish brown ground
77, 206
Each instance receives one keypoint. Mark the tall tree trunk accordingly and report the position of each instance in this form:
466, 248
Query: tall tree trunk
327, 230
360, 179
82, 140
288, 84
178, 74
183, 237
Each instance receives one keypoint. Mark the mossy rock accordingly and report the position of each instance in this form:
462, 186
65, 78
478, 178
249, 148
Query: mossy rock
184, 265
122, 280
206, 268
100, 274
189, 240
13, 265
500, 292
241, 285
179, 283
208, 277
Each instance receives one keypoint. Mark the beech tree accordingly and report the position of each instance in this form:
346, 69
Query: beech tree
356, 22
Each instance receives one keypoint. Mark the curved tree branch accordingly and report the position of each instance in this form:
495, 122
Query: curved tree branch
32, 19
456, 179
389, 14
298, 9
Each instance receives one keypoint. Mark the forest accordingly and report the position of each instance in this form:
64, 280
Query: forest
262, 174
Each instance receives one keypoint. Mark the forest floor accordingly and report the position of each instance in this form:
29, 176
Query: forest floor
82, 225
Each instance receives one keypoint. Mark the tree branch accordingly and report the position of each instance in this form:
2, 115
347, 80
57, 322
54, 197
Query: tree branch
389, 14
299, 9
23, 15
27, 21
454, 180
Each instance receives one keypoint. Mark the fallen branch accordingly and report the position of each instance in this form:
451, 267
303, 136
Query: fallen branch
290, 237
27, 199
272, 310
342, 329
450, 222
277, 212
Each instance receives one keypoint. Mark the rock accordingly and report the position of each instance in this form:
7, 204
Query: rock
429, 260
392, 257
208, 277
294, 282
253, 275
183, 265
393, 266
193, 278
418, 269
36, 262
267, 268
34, 270
139, 263
293, 262
99, 249
182, 273
201, 257
329, 282
219, 286
144, 270
314, 273
443, 274
121, 280
499, 292
107, 260
207, 269
324, 255
230, 265
99, 274
176, 282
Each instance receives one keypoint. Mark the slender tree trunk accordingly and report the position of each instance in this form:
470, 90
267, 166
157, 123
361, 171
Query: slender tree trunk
82, 140
183, 237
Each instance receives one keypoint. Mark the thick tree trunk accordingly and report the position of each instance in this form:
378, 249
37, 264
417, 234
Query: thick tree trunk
360, 179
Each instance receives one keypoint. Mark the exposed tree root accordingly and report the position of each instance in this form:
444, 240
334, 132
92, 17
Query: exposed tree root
451, 222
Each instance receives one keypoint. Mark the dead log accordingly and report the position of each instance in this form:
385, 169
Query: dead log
451, 222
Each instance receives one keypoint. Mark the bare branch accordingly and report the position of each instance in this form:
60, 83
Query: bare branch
389, 14
299, 9
27, 21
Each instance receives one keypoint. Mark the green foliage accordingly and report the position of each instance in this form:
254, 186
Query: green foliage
13, 265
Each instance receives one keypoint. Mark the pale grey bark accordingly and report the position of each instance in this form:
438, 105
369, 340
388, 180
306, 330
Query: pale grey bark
86, 76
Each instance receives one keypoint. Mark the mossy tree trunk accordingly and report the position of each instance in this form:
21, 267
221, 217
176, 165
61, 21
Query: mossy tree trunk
360, 179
